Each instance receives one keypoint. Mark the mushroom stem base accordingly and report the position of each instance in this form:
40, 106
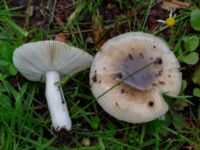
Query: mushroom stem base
56, 102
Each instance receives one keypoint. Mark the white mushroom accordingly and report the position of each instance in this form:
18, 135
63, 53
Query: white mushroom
48, 61
142, 67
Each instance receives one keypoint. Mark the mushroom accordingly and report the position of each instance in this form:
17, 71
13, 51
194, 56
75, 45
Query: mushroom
129, 75
48, 61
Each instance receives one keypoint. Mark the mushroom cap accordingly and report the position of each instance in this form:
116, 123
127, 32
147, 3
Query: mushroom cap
137, 98
33, 60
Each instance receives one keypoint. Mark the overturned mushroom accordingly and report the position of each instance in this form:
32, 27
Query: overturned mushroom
48, 61
143, 67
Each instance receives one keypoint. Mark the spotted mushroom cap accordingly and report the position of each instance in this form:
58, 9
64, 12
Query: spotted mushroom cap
138, 98
33, 60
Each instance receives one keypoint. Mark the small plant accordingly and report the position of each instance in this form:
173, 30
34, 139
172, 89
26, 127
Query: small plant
194, 19
6, 52
189, 55
196, 92
170, 21
94, 122
196, 76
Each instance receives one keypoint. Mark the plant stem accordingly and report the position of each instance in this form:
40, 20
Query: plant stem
56, 102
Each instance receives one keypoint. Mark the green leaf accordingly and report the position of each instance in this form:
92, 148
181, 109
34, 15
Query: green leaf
194, 19
196, 92
191, 58
191, 43
9, 67
3, 63
183, 86
9, 22
95, 122
6, 51
112, 130
196, 76
12, 70
178, 120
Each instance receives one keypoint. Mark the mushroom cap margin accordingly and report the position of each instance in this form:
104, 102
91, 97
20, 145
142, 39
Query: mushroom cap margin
34, 59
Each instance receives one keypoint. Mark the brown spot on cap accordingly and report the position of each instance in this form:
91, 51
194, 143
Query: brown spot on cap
94, 78
153, 84
158, 61
159, 72
119, 75
122, 91
150, 103
162, 82
130, 56
116, 104
141, 55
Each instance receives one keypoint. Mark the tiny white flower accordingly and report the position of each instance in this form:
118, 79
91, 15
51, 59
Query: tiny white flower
170, 21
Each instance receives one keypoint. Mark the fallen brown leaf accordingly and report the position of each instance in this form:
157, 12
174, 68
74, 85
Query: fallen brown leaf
60, 37
98, 28
172, 5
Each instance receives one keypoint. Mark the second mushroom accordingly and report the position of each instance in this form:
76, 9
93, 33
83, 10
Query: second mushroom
142, 67
48, 61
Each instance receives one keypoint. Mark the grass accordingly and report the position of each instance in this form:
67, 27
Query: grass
24, 117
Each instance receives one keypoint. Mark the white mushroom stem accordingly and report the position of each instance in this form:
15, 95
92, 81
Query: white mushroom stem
56, 102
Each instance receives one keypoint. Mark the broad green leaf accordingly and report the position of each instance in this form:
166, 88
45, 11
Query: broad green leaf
6, 51
7, 66
178, 120
194, 19
112, 130
196, 92
183, 86
12, 70
191, 43
94, 122
4, 63
196, 76
191, 58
